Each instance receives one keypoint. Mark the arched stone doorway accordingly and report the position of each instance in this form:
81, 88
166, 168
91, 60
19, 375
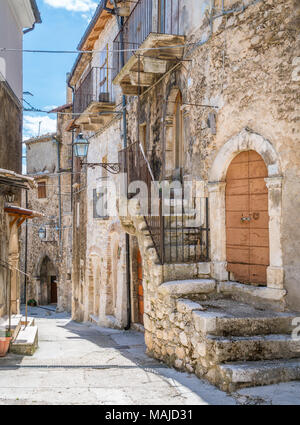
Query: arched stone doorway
247, 219
247, 140
48, 282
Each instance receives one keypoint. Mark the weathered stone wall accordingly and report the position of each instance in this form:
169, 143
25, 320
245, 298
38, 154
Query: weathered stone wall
247, 71
79, 243
42, 162
4, 238
100, 291
10, 159
65, 266
37, 249
10, 130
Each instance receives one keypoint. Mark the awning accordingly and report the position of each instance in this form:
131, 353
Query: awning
20, 214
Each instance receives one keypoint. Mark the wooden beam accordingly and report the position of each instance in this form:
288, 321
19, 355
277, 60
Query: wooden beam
20, 222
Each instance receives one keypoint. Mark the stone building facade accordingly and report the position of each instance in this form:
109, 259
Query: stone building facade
47, 248
15, 17
99, 248
228, 107
211, 98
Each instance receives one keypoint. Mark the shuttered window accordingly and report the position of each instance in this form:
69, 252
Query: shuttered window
41, 190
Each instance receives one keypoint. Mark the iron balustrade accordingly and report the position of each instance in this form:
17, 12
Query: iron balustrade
176, 235
143, 20
96, 86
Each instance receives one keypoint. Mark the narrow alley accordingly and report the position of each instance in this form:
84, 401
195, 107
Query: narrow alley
79, 363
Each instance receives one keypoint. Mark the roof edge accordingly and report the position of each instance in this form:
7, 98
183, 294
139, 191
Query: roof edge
36, 12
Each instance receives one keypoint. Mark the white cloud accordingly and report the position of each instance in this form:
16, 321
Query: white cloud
49, 107
73, 5
31, 125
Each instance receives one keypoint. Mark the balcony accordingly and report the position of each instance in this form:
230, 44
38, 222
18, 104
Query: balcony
147, 27
93, 99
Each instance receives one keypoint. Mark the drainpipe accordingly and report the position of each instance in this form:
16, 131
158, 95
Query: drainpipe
26, 257
72, 166
127, 239
29, 29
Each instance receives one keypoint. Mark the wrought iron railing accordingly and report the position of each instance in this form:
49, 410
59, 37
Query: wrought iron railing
96, 86
179, 235
140, 23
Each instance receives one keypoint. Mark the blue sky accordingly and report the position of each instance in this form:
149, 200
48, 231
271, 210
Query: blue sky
64, 22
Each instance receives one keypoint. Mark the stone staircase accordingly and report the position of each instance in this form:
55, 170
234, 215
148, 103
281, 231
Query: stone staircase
196, 324
230, 343
24, 335
246, 346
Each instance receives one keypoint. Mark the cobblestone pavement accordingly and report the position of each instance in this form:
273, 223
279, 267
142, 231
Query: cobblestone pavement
83, 364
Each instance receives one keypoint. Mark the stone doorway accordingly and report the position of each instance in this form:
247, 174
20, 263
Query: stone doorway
247, 219
48, 283
53, 290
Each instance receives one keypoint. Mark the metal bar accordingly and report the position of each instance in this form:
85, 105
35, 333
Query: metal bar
207, 230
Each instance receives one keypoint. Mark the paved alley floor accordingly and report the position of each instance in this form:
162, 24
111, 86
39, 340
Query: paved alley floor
83, 364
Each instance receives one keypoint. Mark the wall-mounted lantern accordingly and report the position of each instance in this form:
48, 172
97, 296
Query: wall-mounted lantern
9, 197
42, 233
81, 147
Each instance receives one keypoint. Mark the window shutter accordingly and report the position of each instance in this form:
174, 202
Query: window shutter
41, 190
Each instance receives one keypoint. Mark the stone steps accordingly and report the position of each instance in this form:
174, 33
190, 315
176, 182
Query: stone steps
230, 318
260, 347
179, 288
232, 376
26, 342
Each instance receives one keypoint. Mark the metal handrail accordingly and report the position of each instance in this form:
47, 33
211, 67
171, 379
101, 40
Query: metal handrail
173, 239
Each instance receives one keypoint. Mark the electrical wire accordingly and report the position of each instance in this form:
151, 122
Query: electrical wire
4, 49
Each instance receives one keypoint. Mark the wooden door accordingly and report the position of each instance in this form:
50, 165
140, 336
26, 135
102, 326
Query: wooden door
247, 219
53, 290
140, 288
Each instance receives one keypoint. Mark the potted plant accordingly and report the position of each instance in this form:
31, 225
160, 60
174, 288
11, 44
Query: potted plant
5, 342
32, 303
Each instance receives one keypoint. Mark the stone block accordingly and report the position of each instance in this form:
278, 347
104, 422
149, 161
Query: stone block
187, 306
183, 339
187, 287
180, 352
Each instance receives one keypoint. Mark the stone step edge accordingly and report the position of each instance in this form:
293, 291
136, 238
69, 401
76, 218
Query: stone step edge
211, 322
187, 287
261, 338
234, 375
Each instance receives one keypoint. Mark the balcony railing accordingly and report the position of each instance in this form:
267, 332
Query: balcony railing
95, 87
175, 238
140, 23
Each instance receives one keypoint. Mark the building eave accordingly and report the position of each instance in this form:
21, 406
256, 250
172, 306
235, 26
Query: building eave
10, 178
26, 13
86, 43
40, 139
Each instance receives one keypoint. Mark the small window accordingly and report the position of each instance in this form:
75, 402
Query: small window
41, 190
